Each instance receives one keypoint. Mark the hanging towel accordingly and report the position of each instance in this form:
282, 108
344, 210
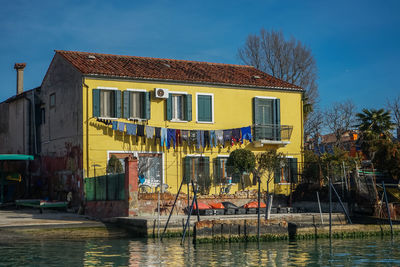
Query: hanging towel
115, 125
163, 137
149, 132
236, 136
178, 137
171, 134
185, 136
157, 134
246, 133
219, 134
213, 139
192, 137
140, 132
131, 129
227, 136
121, 126
206, 139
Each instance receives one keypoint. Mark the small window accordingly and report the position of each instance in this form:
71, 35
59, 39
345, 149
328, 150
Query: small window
177, 107
220, 170
287, 173
136, 105
205, 108
196, 168
53, 100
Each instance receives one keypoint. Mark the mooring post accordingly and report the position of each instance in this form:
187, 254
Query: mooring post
320, 210
188, 220
387, 207
341, 204
172, 209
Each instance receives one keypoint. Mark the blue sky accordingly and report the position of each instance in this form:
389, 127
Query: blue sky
356, 43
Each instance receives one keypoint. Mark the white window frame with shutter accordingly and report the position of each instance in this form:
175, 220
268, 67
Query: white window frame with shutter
105, 102
285, 180
136, 112
225, 171
195, 156
212, 107
175, 109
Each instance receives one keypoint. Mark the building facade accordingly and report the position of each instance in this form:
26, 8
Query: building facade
181, 119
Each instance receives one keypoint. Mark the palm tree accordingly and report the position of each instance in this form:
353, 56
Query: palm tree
375, 124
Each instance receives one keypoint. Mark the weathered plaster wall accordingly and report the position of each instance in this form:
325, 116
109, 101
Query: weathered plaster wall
61, 132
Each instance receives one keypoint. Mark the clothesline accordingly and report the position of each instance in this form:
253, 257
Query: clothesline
168, 136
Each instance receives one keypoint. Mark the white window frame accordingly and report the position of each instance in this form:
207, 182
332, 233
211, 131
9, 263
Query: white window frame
106, 89
135, 91
212, 108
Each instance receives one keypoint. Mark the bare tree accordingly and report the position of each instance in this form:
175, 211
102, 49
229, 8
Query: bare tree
340, 118
288, 60
394, 106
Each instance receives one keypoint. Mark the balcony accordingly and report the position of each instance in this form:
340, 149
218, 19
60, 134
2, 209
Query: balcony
272, 134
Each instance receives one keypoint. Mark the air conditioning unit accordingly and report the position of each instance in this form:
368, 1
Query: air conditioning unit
161, 93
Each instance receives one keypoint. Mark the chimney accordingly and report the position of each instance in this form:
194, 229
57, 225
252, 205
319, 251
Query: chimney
20, 76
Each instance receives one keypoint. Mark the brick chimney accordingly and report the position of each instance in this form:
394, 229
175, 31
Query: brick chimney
20, 76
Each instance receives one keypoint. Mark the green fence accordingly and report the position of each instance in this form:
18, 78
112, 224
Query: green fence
106, 187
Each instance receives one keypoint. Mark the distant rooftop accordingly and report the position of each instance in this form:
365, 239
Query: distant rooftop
172, 70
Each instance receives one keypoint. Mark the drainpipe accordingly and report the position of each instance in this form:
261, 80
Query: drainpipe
87, 127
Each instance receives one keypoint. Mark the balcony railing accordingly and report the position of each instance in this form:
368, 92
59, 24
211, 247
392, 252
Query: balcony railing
273, 132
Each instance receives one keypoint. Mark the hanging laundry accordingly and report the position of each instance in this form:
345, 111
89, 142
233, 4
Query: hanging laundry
213, 139
131, 128
227, 136
140, 132
149, 132
236, 138
219, 134
206, 139
185, 136
178, 137
157, 134
115, 125
246, 133
200, 139
163, 137
121, 126
171, 134
192, 137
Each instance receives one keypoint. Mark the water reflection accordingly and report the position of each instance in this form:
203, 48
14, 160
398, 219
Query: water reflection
126, 252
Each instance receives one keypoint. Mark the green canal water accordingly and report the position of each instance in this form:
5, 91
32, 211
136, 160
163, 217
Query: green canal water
129, 252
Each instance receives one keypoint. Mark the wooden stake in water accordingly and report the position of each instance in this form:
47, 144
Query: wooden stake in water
387, 207
320, 210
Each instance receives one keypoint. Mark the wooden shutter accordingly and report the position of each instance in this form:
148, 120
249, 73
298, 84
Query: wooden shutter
204, 108
188, 107
187, 169
118, 108
96, 102
169, 108
127, 104
217, 171
293, 170
257, 118
146, 105
277, 176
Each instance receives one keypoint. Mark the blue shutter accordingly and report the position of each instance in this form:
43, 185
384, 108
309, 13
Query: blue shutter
257, 119
169, 108
188, 107
117, 112
204, 108
146, 105
127, 104
96, 102
187, 167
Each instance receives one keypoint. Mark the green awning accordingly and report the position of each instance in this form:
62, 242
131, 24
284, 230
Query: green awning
15, 157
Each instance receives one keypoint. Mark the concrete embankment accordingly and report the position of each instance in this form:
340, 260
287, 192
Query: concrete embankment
31, 224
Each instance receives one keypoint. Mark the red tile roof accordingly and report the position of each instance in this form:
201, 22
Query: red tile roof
172, 70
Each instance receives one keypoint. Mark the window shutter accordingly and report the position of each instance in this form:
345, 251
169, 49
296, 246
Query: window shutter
205, 162
217, 171
146, 105
127, 104
257, 118
204, 108
277, 112
277, 176
188, 107
293, 170
117, 112
96, 102
187, 166
169, 108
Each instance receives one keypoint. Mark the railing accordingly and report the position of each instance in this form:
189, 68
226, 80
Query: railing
273, 132
106, 187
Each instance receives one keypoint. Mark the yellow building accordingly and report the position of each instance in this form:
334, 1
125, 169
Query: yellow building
117, 105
